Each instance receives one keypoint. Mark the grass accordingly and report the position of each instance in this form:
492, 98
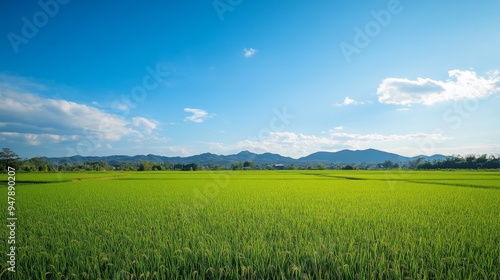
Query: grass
257, 225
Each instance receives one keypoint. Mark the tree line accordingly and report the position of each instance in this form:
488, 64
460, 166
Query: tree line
40, 164
461, 162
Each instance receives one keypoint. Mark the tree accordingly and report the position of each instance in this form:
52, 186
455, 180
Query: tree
388, 164
128, 166
9, 158
190, 167
28, 166
157, 167
103, 165
236, 166
348, 167
145, 166
168, 165
248, 164
40, 164
321, 166
493, 162
214, 166
415, 163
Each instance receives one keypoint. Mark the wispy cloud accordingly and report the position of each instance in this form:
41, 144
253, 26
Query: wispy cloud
460, 85
147, 125
34, 139
249, 52
21, 84
284, 143
198, 115
298, 144
348, 101
375, 137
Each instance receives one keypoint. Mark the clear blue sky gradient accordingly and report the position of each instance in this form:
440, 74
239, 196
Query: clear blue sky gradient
289, 77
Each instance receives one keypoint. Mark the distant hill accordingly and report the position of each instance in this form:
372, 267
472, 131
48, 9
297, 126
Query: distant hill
361, 156
340, 157
349, 156
430, 158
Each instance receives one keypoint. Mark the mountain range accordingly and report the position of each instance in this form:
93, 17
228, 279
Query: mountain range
368, 156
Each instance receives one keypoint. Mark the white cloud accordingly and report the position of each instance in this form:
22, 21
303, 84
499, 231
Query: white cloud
338, 128
121, 106
37, 120
150, 139
348, 101
370, 138
249, 52
198, 115
178, 150
147, 125
33, 139
60, 114
460, 85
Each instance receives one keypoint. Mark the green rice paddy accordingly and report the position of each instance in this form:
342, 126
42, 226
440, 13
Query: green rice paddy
255, 225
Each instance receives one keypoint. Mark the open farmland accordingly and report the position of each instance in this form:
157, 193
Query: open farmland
256, 225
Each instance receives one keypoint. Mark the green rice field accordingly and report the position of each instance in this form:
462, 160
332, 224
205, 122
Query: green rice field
255, 225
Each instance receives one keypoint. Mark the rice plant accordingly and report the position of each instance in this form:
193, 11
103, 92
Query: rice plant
257, 225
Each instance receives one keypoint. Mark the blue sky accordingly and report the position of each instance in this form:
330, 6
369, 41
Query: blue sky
288, 77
